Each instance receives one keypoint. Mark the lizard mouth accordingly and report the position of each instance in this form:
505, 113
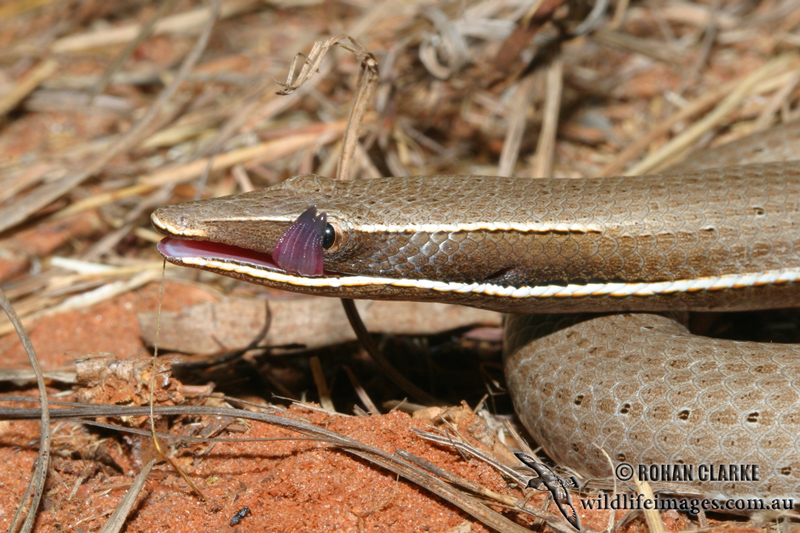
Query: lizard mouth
178, 250
186, 252
298, 251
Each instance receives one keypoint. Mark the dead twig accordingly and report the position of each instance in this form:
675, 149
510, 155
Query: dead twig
367, 81
396, 377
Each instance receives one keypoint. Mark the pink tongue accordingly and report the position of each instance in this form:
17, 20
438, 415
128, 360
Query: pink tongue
179, 248
299, 249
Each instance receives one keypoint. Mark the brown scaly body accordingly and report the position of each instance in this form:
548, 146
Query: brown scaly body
637, 386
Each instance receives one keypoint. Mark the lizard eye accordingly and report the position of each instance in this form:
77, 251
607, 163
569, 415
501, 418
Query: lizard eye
329, 237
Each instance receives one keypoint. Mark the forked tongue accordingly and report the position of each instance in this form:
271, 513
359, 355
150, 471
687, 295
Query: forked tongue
299, 249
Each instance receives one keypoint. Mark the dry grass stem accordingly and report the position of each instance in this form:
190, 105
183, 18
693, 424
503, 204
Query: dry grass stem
523, 95
29, 503
322, 385
362, 394
545, 148
118, 518
684, 141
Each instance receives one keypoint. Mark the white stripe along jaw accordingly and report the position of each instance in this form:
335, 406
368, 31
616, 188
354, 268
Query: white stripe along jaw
270, 273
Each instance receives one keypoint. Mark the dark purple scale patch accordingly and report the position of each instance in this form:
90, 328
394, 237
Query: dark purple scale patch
299, 249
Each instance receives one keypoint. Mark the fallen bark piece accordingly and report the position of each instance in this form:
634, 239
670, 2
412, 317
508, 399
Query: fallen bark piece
235, 324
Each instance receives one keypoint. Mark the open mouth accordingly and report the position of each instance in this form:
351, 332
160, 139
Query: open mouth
186, 252
176, 250
299, 250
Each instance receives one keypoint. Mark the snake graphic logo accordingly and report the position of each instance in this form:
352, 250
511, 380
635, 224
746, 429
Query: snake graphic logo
558, 487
